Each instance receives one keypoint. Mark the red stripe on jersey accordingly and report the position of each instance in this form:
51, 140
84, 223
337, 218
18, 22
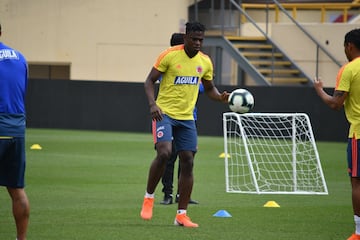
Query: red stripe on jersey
338, 77
354, 157
153, 126
164, 53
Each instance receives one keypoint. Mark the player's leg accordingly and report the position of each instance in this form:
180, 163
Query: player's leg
12, 174
157, 166
155, 173
168, 178
354, 172
186, 182
185, 137
186, 179
178, 177
191, 201
21, 210
162, 131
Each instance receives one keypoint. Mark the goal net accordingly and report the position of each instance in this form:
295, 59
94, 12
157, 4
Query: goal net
271, 153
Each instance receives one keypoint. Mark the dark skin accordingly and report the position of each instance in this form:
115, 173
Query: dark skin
192, 45
336, 102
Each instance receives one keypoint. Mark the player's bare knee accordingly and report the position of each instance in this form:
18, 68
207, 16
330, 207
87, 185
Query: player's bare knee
163, 156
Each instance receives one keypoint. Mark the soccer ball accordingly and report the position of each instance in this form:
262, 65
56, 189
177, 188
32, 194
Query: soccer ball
241, 101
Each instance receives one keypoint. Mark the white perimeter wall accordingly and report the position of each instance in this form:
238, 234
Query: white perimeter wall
115, 40
119, 40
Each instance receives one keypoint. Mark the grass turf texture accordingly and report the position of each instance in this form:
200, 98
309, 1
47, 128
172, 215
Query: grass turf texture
90, 185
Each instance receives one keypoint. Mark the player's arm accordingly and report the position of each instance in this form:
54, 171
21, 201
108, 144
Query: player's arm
149, 84
213, 92
336, 101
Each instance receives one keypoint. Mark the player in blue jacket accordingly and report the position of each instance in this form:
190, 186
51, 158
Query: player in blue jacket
13, 83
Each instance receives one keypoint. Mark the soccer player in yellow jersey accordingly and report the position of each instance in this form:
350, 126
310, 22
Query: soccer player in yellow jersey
347, 94
182, 68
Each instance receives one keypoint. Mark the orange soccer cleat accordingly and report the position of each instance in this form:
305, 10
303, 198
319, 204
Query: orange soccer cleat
354, 237
184, 220
147, 208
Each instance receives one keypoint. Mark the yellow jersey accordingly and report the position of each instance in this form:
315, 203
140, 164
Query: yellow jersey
179, 86
348, 80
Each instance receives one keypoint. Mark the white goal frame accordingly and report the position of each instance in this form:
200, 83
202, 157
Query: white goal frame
271, 153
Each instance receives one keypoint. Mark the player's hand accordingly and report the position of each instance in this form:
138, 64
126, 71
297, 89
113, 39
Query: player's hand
224, 97
156, 113
318, 84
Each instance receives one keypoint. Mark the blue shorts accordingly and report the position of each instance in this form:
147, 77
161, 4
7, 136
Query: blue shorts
353, 157
182, 132
12, 162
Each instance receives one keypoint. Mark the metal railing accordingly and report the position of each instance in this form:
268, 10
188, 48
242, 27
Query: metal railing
303, 30
318, 45
233, 5
296, 7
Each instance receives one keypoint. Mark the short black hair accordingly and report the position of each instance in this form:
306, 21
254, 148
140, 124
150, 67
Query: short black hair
176, 39
194, 27
353, 37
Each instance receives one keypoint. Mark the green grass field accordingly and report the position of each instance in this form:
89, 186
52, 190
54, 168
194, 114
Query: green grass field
90, 185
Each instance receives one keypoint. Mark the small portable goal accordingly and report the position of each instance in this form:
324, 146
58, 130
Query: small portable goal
271, 153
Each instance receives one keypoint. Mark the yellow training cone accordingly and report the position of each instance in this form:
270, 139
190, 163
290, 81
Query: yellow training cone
222, 155
271, 204
36, 147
